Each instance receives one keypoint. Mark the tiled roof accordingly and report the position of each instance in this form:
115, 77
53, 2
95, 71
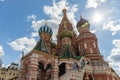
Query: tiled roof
40, 46
68, 53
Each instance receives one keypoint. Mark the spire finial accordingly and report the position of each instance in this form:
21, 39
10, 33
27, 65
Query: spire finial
64, 10
80, 15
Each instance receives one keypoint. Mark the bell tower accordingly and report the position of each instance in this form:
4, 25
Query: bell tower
40, 63
87, 41
45, 33
66, 34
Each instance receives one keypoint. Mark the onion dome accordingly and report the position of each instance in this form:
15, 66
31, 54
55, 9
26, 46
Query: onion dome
66, 33
45, 29
82, 23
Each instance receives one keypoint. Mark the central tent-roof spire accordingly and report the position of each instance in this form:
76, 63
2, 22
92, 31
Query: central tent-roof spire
64, 19
64, 11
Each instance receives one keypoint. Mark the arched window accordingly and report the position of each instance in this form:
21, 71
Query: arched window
66, 40
87, 62
82, 63
75, 66
48, 72
41, 66
41, 71
85, 45
94, 45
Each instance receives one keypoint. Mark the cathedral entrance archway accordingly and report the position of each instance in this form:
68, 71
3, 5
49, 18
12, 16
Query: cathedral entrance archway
41, 71
48, 72
44, 73
62, 69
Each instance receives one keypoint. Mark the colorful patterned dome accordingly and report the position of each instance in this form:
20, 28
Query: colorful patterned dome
83, 22
46, 29
66, 33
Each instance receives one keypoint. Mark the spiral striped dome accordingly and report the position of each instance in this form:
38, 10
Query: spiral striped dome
46, 29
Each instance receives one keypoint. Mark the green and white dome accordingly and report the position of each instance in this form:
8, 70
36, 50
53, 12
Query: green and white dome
45, 29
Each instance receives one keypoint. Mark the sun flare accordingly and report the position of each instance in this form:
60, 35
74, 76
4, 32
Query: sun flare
97, 17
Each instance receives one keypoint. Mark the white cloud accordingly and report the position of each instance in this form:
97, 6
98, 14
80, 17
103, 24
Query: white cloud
93, 31
114, 57
113, 26
31, 17
94, 3
1, 51
36, 25
55, 13
23, 44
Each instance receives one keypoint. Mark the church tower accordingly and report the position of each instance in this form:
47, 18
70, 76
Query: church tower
66, 34
40, 63
87, 41
45, 33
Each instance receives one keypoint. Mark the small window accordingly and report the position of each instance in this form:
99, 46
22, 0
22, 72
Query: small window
85, 45
14, 74
94, 64
82, 64
91, 51
79, 48
94, 45
75, 66
10, 74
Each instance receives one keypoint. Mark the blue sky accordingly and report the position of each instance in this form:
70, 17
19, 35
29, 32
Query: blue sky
20, 20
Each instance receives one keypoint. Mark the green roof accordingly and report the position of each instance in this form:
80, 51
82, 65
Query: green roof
68, 53
40, 46
66, 33
14, 64
77, 57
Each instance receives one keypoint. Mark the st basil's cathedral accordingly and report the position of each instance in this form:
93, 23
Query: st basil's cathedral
73, 57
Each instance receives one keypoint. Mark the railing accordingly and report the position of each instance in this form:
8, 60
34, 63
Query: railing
71, 74
89, 67
102, 69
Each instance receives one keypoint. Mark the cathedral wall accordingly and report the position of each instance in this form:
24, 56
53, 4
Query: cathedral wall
104, 77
